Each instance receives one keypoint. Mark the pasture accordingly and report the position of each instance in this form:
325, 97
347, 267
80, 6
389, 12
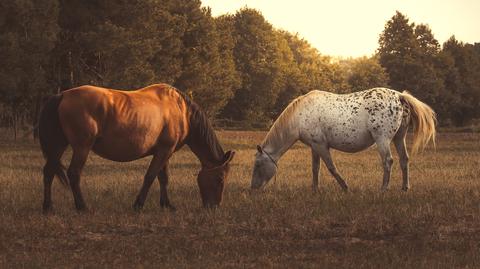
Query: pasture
435, 224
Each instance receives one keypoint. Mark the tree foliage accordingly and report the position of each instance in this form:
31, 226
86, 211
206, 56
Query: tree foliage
364, 73
236, 66
446, 78
28, 35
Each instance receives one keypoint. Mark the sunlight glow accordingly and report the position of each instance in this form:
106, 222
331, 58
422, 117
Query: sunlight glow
351, 28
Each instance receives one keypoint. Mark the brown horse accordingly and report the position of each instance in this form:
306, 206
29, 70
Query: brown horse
124, 126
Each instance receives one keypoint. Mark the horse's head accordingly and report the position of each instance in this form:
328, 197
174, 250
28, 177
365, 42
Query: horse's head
211, 181
264, 168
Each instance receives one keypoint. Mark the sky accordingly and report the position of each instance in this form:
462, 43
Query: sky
351, 28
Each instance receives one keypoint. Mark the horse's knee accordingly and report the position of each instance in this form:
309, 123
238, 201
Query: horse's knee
404, 162
388, 162
331, 168
73, 176
48, 171
149, 178
163, 178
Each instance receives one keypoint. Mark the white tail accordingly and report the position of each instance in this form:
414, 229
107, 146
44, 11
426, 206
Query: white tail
424, 121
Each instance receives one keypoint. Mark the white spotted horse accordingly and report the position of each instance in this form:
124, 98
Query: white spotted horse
349, 123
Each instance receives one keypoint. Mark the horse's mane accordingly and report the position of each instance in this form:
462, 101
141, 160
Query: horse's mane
282, 123
201, 131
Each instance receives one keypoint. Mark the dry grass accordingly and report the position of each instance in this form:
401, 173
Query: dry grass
436, 224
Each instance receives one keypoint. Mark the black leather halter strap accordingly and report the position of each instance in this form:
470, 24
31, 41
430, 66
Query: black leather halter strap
271, 159
275, 163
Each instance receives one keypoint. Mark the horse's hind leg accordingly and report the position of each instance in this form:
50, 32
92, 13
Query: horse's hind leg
158, 162
49, 170
79, 158
48, 174
383, 145
327, 159
163, 180
399, 141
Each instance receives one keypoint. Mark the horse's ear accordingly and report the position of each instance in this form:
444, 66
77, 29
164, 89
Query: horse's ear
259, 148
228, 156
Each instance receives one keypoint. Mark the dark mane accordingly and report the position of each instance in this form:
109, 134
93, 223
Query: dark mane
201, 131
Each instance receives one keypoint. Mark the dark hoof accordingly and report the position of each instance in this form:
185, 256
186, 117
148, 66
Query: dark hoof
82, 209
137, 207
168, 206
405, 189
47, 210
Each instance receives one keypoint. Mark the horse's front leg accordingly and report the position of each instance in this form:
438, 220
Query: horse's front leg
158, 162
327, 159
163, 180
315, 170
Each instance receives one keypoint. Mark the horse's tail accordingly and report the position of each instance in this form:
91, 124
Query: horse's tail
52, 139
423, 119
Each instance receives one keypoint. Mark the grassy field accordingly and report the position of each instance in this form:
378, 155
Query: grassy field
436, 224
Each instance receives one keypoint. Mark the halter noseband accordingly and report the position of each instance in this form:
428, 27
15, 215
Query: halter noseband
271, 159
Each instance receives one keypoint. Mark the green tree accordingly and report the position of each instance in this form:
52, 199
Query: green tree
28, 35
258, 59
408, 54
396, 51
429, 83
364, 73
292, 81
108, 43
317, 69
449, 102
129, 44
205, 75
462, 80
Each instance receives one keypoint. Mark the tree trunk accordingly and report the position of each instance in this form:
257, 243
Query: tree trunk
36, 114
70, 67
14, 123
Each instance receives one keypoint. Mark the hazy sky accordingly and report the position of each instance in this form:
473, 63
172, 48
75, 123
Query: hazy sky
352, 27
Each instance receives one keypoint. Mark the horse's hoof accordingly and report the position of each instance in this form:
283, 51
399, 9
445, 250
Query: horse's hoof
168, 206
171, 208
82, 209
46, 206
137, 207
47, 211
405, 189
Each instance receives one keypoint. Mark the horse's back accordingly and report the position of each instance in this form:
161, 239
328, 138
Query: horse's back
123, 125
349, 122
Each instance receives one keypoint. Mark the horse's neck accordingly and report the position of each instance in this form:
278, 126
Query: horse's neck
210, 156
204, 143
281, 139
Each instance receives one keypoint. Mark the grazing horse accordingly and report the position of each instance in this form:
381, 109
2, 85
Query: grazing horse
124, 126
350, 123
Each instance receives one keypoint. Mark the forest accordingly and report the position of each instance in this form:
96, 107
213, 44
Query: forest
239, 68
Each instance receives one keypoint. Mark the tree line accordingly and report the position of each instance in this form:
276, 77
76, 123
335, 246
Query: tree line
238, 67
